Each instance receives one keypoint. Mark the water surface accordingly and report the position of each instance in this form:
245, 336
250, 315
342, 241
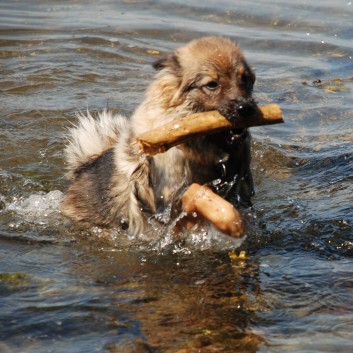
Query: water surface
64, 289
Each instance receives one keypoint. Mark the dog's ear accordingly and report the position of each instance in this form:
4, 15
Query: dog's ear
169, 61
171, 64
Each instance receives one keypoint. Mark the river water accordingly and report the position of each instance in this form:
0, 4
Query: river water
69, 290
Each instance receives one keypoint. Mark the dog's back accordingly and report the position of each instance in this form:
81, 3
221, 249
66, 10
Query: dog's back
103, 171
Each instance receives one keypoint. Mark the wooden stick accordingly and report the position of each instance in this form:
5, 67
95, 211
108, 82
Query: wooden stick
219, 212
200, 124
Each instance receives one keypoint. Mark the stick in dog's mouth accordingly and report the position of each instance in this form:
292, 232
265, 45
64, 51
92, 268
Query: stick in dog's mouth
187, 128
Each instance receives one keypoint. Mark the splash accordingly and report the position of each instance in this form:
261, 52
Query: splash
38, 208
42, 209
203, 238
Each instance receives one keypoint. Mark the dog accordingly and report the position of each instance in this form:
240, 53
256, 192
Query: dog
112, 185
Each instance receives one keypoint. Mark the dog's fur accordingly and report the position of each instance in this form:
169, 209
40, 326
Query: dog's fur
112, 185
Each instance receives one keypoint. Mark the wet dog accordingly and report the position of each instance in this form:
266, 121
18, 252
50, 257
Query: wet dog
112, 185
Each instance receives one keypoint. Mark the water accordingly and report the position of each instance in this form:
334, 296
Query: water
64, 289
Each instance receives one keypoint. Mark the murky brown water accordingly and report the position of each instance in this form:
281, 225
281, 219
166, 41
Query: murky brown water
64, 290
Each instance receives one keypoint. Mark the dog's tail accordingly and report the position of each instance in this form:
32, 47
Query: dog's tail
91, 136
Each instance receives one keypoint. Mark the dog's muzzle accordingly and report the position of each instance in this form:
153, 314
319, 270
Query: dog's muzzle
239, 108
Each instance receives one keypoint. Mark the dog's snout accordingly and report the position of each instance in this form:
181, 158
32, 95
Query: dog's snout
245, 107
239, 108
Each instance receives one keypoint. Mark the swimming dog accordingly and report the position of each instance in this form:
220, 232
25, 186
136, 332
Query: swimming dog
112, 185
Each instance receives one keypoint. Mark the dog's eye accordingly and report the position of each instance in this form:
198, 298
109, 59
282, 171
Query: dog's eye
212, 85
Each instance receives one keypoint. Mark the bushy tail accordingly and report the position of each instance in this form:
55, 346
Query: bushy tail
93, 135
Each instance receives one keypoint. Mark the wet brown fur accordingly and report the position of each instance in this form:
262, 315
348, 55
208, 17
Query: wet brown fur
112, 185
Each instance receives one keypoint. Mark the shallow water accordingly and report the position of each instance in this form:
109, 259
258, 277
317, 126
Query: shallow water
64, 289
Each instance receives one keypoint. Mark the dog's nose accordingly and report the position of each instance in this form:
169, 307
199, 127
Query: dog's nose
238, 108
245, 107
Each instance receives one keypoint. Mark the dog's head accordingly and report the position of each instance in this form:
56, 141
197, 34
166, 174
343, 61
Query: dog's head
208, 74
